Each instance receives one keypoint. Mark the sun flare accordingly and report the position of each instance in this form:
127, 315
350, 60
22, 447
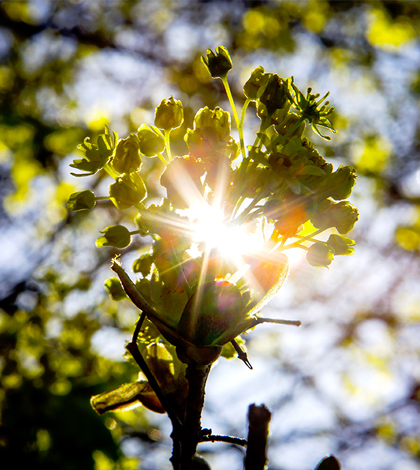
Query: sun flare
210, 227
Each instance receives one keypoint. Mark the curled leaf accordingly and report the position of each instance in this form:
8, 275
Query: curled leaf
126, 396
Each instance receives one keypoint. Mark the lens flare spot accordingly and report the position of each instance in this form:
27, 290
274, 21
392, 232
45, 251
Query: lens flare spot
209, 226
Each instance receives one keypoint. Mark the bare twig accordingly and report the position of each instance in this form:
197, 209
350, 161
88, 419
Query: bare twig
256, 455
229, 439
243, 356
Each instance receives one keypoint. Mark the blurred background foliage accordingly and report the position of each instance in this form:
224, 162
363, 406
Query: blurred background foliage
348, 381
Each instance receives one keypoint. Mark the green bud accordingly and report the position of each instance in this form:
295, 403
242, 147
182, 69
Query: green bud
169, 114
115, 235
256, 82
126, 157
81, 200
114, 288
346, 216
320, 255
342, 182
151, 142
129, 189
218, 64
216, 119
211, 311
341, 245
143, 264
341, 215
274, 95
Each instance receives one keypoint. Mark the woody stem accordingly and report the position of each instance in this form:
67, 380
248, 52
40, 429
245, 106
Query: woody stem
191, 429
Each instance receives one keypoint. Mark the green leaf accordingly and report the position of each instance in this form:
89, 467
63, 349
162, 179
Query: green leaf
125, 396
92, 161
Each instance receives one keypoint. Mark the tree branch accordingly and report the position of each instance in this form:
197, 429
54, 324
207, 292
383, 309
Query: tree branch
256, 455
191, 429
229, 439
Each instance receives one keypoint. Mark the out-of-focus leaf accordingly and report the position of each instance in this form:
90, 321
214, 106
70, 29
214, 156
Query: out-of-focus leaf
126, 396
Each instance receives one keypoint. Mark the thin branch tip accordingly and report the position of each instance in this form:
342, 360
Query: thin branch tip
116, 262
260, 320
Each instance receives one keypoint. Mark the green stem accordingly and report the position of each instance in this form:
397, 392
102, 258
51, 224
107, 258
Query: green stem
102, 198
232, 103
293, 128
293, 245
162, 159
246, 212
239, 124
289, 132
111, 172
241, 128
244, 108
313, 234
140, 207
237, 206
168, 145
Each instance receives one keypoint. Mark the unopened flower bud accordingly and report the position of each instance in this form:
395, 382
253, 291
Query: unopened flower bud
341, 215
342, 182
320, 255
218, 64
274, 95
115, 235
151, 142
341, 245
143, 264
129, 189
258, 79
126, 157
215, 119
114, 288
169, 114
81, 200
346, 216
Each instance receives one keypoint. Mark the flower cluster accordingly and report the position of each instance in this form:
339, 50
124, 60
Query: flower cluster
279, 188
